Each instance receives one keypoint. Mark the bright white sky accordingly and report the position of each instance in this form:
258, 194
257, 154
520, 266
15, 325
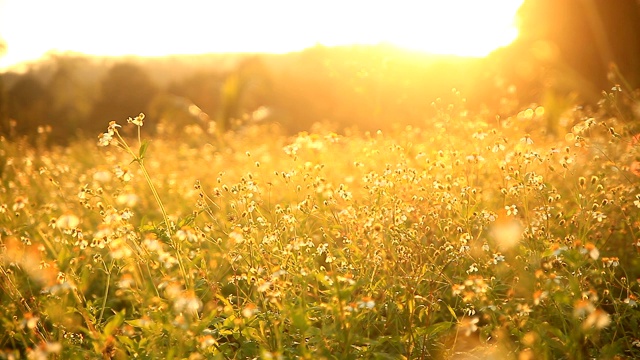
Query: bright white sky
158, 27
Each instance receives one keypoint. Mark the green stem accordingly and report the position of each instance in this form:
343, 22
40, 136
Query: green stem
140, 160
155, 195
123, 144
106, 292
166, 220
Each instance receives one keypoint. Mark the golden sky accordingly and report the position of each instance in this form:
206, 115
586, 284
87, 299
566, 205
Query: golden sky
158, 27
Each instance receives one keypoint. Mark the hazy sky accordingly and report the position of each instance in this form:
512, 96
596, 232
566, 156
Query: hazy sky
147, 27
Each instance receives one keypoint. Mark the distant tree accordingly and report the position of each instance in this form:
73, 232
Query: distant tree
581, 39
243, 90
71, 99
173, 113
564, 55
4, 126
28, 104
126, 90
202, 88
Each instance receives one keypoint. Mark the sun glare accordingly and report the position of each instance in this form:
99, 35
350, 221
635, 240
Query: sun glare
31, 28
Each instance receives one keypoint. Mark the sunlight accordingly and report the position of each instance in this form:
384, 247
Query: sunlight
152, 28
457, 27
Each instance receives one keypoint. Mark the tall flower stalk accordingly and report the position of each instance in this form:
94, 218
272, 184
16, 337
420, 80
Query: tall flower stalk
113, 137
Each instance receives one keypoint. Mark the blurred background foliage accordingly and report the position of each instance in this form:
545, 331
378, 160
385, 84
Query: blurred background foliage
568, 52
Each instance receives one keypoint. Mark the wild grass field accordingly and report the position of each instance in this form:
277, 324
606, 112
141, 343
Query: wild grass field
469, 237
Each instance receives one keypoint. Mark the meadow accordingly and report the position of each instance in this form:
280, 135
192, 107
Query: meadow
470, 236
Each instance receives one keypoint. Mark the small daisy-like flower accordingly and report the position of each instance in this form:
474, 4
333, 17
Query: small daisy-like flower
138, 120
348, 279
631, 301
30, 321
263, 285
44, 350
468, 325
366, 303
105, 139
498, 147
610, 261
566, 160
67, 221
526, 139
524, 309
511, 210
599, 319
498, 257
19, 203
480, 135
351, 307
113, 127
186, 233
582, 307
236, 235
126, 214
457, 289
187, 302
123, 174
599, 216
538, 296
473, 268
207, 341
475, 158
593, 251
250, 310
126, 281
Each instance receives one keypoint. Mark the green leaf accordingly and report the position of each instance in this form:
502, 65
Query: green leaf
113, 324
609, 351
229, 323
143, 149
438, 328
299, 319
250, 333
146, 227
139, 323
187, 220
453, 313
126, 340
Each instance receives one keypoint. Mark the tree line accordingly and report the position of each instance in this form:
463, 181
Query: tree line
567, 52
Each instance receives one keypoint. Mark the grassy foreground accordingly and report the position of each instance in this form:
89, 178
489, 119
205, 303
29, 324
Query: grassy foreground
468, 238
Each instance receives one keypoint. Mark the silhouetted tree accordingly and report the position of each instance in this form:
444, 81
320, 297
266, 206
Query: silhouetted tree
202, 88
574, 43
71, 98
4, 125
28, 104
125, 91
564, 55
243, 90
173, 113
